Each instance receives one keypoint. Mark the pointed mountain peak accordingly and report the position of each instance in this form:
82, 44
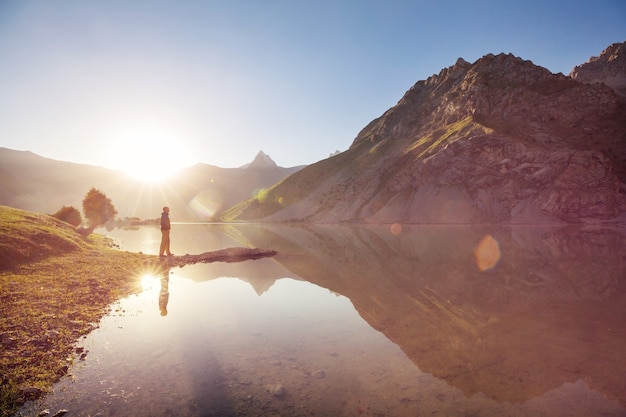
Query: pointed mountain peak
262, 160
608, 68
615, 52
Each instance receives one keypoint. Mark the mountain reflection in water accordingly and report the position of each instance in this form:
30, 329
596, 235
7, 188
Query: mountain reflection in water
551, 310
515, 315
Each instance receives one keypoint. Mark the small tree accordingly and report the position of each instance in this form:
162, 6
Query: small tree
97, 208
69, 215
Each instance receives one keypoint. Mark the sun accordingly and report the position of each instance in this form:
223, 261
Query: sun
148, 156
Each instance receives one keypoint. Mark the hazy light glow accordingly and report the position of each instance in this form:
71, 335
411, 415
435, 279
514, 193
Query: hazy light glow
487, 253
148, 282
396, 228
206, 203
150, 156
261, 195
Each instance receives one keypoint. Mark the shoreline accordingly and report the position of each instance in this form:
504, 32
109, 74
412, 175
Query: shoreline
47, 306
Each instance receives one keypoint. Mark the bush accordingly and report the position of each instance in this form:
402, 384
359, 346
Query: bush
69, 215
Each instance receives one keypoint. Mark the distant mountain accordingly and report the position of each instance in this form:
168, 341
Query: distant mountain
261, 160
501, 140
31, 182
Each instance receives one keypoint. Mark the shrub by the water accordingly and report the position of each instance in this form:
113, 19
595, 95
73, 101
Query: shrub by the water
70, 215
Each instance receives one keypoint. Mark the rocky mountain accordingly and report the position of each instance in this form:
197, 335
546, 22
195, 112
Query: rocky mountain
261, 160
31, 182
608, 68
500, 140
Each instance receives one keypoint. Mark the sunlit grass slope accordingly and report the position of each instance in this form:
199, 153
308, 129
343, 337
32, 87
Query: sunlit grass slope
286, 192
29, 237
54, 287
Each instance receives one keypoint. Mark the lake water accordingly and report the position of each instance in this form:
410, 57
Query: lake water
364, 321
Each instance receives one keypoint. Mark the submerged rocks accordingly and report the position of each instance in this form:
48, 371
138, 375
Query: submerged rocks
46, 413
319, 374
276, 390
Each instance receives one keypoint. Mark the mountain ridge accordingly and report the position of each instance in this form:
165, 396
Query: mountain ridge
32, 182
607, 68
501, 140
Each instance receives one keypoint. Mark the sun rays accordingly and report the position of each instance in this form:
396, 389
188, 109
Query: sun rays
149, 155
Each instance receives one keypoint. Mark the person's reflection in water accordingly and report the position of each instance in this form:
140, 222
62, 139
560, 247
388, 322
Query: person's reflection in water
164, 294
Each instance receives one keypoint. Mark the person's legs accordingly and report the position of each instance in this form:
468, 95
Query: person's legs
168, 252
165, 242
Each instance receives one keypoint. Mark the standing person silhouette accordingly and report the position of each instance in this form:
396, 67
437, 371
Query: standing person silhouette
165, 232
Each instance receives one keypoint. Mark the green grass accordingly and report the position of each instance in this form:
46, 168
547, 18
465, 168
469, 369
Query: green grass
448, 134
29, 237
55, 286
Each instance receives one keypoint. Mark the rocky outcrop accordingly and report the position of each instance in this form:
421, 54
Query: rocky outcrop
261, 160
493, 179
222, 255
500, 140
608, 68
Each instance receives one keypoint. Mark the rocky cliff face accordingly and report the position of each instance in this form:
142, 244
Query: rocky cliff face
500, 140
608, 68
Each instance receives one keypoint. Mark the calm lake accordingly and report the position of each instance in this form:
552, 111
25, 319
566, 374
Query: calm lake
364, 321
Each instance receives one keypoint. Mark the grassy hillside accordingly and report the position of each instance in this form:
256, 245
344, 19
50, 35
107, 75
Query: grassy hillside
30, 237
289, 191
54, 287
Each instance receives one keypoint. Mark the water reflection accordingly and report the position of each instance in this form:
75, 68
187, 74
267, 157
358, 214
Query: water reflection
164, 293
539, 308
516, 321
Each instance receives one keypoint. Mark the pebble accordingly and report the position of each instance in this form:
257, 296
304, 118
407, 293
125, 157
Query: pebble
276, 390
319, 374
31, 392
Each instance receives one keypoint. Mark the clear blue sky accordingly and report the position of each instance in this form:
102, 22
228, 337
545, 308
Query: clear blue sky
217, 81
